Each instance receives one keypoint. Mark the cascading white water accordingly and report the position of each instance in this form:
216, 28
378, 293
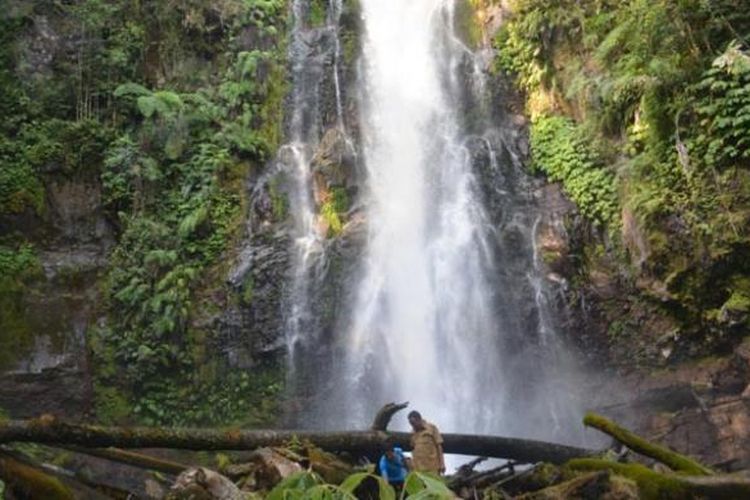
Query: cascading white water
294, 159
443, 302
423, 315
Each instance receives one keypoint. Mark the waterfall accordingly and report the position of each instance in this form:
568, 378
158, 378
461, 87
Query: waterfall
422, 313
294, 159
447, 306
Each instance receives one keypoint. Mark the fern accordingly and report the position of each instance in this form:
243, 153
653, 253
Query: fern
131, 89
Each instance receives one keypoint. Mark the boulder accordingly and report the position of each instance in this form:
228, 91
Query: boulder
333, 162
267, 467
199, 483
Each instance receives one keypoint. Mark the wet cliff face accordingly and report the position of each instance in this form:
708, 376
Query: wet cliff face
44, 346
48, 312
75, 214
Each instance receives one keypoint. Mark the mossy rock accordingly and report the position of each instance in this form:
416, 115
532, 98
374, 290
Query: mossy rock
601, 485
28, 482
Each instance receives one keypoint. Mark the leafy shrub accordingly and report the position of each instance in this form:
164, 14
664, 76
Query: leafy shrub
560, 150
310, 486
723, 110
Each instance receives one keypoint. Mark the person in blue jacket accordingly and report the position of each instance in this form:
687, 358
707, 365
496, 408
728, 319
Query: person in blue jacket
393, 466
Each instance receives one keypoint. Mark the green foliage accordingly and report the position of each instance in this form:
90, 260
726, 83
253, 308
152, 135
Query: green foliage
237, 398
651, 485
560, 150
421, 485
318, 13
722, 106
19, 186
19, 264
310, 486
165, 105
333, 209
656, 91
71, 148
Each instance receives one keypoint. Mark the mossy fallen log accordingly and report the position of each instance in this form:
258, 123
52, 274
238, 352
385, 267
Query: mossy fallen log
29, 482
674, 460
49, 430
598, 484
654, 485
133, 459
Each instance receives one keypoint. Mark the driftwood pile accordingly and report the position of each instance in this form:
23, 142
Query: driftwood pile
533, 469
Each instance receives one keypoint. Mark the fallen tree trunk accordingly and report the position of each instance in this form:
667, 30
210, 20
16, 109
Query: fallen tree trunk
653, 484
675, 461
48, 430
32, 479
23, 479
138, 460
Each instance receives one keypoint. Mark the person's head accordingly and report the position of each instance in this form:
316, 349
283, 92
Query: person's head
416, 421
388, 446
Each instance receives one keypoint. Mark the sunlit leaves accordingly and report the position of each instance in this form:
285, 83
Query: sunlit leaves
560, 150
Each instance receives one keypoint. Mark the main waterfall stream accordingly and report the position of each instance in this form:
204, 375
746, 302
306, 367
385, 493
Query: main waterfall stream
446, 305
422, 327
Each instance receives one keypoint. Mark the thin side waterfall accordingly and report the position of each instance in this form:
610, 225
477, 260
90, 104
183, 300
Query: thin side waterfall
315, 109
294, 159
334, 16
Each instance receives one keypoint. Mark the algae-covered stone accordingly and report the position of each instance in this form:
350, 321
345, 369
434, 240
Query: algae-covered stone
333, 161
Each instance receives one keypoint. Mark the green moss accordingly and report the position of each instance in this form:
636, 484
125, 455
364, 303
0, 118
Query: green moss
467, 25
636, 443
16, 334
279, 200
248, 290
272, 106
19, 265
20, 188
318, 13
333, 209
112, 407
34, 483
651, 485
738, 302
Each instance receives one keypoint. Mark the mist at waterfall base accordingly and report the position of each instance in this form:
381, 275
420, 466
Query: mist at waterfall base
447, 306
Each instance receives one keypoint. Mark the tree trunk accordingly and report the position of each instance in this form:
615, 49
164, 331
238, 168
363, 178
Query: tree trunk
27, 481
671, 486
49, 430
384, 416
139, 460
675, 461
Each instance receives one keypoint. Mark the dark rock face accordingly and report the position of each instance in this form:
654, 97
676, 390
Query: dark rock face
48, 368
60, 389
701, 409
252, 329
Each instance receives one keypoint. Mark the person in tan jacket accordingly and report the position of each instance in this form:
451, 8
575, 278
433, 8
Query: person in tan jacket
426, 445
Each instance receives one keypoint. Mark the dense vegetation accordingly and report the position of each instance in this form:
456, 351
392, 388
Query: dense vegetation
310, 486
642, 110
167, 106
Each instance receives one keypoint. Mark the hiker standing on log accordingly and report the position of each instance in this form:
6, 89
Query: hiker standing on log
426, 445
